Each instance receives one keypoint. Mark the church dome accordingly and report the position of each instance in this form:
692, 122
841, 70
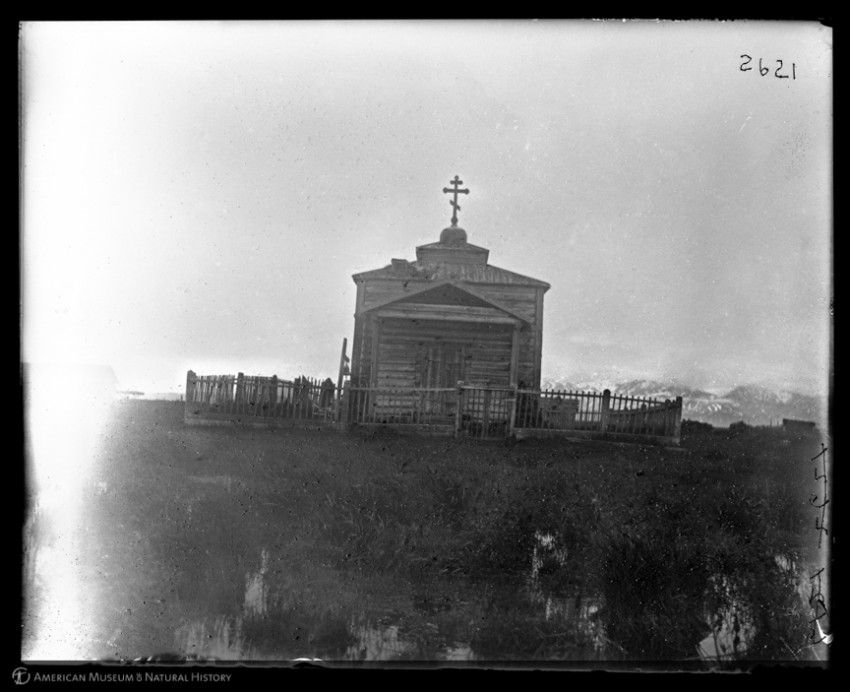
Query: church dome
454, 236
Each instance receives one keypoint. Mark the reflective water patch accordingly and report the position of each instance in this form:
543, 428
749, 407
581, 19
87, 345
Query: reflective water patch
256, 589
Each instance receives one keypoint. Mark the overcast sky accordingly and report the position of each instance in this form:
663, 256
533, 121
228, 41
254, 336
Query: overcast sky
198, 195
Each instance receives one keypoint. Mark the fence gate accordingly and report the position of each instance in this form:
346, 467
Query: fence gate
486, 412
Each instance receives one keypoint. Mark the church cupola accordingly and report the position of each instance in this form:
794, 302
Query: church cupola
454, 236
452, 248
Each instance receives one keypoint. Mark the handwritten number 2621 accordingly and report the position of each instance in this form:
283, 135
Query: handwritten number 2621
764, 71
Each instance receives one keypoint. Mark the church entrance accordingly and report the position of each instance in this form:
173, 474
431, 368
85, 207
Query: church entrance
441, 367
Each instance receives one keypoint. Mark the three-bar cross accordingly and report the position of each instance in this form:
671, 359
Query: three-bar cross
456, 183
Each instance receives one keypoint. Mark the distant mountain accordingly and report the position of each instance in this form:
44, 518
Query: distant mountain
658, 390
555, 383
760, 404
752, 404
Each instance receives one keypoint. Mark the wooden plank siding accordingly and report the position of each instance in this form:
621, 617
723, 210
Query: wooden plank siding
449, 295
524, 301
405, 346
519, 299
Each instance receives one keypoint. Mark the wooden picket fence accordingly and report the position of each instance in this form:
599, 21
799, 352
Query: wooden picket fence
595, 412
399, 407
264, 400
497, 412
465, 410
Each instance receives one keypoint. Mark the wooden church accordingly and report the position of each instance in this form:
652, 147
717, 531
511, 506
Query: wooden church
448, 317
446, 343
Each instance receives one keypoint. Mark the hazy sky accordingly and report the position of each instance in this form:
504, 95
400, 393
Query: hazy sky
198, 195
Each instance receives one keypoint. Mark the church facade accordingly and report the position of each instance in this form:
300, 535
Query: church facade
448, 317
446, 343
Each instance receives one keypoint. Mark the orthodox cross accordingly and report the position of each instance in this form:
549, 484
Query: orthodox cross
457, 182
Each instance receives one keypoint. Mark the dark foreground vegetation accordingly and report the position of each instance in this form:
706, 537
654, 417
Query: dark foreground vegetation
225, 542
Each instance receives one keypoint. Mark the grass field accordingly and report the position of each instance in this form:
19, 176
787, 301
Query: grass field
255, 544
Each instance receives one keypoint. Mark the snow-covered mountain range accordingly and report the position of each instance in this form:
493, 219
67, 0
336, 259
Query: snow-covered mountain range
753, 404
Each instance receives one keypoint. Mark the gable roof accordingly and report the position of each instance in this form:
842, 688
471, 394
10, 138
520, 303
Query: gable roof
454, 293
445, 293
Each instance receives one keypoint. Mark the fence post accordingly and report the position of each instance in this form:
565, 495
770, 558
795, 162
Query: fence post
190, 394
512, 419
606, 406
677, 420
240, 392
459, 409
190, 385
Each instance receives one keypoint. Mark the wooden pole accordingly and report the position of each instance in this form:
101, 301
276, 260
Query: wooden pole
514, 377
344, 405
339, 380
